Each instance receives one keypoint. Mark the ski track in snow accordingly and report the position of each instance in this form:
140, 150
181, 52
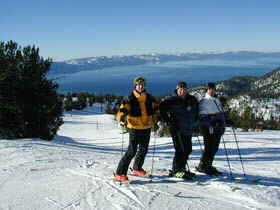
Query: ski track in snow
74, 171
124, 189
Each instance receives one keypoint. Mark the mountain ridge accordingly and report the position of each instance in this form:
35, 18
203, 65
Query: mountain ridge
100, 62
268, 84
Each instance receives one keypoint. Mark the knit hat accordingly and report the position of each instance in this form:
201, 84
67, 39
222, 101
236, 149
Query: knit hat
139, 80
181, 85
211, 85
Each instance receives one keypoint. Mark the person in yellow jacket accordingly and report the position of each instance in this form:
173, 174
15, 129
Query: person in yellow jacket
138, 113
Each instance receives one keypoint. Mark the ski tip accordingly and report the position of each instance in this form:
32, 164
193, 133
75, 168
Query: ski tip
256, 180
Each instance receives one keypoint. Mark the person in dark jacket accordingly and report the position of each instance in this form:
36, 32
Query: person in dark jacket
180, 112
212, 127
138, 114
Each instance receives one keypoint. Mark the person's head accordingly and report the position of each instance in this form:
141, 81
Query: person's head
211, 88
139, 84
181, 89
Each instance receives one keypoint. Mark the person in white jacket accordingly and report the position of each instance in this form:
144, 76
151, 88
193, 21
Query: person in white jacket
212, 127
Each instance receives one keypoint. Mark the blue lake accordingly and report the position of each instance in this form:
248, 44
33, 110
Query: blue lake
161, 78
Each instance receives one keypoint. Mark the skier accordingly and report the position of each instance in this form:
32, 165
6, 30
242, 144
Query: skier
180, 112
138, 114
212, 127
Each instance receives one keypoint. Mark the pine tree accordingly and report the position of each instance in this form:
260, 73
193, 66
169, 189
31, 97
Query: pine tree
234, 117
246, 119
91, 99
68, 102
81, 101
29, 104
109, 109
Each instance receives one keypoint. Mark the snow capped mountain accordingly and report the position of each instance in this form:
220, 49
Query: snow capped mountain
100, 62
269, 83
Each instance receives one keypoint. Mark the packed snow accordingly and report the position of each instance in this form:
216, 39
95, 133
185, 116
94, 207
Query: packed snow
75, 171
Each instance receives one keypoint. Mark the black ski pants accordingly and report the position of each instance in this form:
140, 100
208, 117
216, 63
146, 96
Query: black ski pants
183, 148
211, 144
138, 147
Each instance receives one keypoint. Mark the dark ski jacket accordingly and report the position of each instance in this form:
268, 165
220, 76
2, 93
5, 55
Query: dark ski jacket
180, 113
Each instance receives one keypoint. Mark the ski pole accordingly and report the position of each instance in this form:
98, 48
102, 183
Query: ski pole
153, 157
188, 166
241, 161
199, 144
222, 110
230, 173
122, 140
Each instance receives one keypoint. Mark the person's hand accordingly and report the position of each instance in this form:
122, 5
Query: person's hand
122, 124
155, 127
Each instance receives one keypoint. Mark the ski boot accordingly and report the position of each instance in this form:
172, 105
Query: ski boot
215, 171
139, 172
191, 174
205, 168
183, 175
121, 178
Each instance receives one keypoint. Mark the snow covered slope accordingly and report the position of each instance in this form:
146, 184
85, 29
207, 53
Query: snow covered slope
75, 171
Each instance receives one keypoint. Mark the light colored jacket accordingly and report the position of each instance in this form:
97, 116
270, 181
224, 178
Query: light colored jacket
210, 105
211, 114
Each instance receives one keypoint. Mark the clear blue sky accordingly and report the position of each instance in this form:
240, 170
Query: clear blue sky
65, 29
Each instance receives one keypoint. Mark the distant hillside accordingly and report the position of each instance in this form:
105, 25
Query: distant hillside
260, 94
93, 63
267, 85
230, 87
236, 85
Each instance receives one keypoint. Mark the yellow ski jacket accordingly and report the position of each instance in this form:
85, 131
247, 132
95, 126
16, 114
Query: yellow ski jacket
138, 111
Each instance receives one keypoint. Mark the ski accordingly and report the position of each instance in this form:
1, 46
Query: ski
130, 181
166, 175
159, 176
215, 174
124, 183
147, 176
245, 179
236, 179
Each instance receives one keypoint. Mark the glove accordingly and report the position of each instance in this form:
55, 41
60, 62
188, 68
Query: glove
155, 127
161, 127
122, 124
168, 119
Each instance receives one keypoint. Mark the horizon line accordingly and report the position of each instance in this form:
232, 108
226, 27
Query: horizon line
174, 53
